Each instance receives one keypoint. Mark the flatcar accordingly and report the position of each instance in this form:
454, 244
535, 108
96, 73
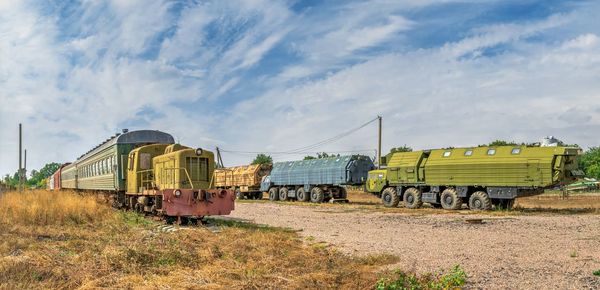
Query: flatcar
244, 180
481, 177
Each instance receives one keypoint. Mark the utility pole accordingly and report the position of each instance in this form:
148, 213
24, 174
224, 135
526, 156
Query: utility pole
379, 146
219, 159
20, 172
25, 168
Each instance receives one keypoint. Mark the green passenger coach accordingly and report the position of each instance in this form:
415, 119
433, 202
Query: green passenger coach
482, 177
105, 167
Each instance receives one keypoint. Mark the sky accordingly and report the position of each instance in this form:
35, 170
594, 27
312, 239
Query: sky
273, 76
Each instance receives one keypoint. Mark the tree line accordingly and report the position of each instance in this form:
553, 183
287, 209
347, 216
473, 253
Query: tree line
36, 178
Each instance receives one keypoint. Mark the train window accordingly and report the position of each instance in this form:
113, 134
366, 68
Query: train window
516, 151
469, 152
447, 153
491, 152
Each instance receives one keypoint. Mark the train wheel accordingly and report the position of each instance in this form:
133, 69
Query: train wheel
389, 197
171, 219
450, 199
184, 221
480, 200
301, 195
283, 194
317, 195
413, 198
273, 194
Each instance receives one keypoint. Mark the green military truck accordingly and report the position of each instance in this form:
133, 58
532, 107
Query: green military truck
482, 177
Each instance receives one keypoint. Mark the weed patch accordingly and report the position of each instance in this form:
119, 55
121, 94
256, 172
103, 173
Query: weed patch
455, 278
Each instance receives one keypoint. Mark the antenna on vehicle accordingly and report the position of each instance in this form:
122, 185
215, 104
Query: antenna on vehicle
379, 145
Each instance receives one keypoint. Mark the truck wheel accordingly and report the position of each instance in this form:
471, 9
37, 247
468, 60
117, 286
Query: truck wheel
301, 195
317, 195
283, 194
450, 199
390, 197
413, 198
343, 193
238, 194
273, 194
258, 195
480, 200
505, 204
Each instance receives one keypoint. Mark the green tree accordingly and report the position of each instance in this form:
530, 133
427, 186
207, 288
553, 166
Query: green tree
38, 178
401, 149
500, 143
321, 155
590, 162
262, 159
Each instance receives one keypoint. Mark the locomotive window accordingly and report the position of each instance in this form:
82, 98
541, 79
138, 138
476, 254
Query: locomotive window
491, 152
447, 153
516, 151
469, 152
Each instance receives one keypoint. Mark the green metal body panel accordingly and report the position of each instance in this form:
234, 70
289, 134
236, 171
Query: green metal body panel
502, 166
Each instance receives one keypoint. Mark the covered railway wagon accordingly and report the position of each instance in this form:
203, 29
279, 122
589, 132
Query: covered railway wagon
481, 177
244, 180
317, 180
105, 166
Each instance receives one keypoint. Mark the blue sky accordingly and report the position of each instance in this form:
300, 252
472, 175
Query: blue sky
277, 75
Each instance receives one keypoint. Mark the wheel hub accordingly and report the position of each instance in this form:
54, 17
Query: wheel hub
448, 199
387, 198
477, 203
410, 199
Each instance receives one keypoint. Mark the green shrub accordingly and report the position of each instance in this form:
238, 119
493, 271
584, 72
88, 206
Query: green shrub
400, 280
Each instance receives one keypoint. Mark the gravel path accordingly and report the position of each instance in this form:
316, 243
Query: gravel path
513, 252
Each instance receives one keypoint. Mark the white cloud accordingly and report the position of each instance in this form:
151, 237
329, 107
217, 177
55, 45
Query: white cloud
73, 85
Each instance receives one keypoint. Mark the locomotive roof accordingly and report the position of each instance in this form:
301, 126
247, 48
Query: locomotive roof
132, 137
318, 162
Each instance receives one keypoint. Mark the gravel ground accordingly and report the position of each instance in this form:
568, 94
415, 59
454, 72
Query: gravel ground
513, 252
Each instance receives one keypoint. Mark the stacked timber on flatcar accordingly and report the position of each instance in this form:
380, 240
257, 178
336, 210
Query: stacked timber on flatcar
244, 180
481, 177
317, 180
104, 167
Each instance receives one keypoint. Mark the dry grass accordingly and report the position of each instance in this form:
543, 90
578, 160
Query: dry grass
65, 241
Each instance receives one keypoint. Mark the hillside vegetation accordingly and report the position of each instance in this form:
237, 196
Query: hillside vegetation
65, 240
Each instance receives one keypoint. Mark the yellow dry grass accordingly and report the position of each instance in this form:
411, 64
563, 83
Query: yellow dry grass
62, 240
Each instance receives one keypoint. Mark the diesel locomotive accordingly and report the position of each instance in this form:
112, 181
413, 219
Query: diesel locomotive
481, 177
147, 172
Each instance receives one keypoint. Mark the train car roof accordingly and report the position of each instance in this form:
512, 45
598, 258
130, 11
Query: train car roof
132, 137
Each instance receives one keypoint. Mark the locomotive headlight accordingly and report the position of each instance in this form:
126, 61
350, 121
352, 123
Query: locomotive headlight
199, 151
177, 193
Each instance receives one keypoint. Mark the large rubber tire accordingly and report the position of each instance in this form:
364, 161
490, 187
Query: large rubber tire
505, 204
480, 200
413, 198
450, 199
283, 194
343, 193
317, 195
238, 194
389, 197
273, 194
258, 195
301, 195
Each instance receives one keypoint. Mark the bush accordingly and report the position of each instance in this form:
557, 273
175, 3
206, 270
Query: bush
455, 278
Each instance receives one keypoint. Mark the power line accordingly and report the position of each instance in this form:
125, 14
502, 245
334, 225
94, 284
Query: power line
306, 149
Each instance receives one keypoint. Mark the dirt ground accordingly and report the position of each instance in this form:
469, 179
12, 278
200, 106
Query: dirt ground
517, 251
